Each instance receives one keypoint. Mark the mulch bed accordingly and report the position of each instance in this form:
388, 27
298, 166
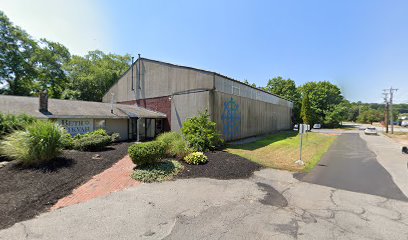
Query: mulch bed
221, 165
26, 192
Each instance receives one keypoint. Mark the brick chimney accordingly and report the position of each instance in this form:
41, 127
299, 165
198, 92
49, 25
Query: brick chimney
43, 101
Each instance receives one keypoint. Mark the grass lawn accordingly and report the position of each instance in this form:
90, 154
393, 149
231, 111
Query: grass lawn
281, 150
401, 137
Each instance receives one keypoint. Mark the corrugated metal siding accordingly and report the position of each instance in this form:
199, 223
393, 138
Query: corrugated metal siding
248, 117
239, 89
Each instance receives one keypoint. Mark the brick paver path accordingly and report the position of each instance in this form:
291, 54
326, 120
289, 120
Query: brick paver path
111, 180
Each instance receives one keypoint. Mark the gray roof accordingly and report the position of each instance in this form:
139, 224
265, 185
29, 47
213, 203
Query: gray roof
58, 108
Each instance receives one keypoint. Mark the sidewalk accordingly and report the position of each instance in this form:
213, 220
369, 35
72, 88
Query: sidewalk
111, 180
390, 157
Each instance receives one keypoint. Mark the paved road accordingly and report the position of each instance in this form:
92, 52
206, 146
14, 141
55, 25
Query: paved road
269, 205
351, 165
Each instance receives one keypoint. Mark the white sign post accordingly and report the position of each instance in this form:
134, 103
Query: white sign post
302, 129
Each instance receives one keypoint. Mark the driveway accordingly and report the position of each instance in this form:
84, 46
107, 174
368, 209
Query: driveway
269, 205
351, 165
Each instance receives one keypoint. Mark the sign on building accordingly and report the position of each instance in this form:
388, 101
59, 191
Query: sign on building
76, 126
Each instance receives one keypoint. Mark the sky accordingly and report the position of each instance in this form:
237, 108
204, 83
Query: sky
361, 46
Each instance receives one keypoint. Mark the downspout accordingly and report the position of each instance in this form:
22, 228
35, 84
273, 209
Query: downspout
133, 88
137, 90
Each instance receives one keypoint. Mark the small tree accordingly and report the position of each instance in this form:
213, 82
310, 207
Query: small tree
201, 133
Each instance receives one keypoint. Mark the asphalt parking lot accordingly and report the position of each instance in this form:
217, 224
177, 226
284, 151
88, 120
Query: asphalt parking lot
351, 165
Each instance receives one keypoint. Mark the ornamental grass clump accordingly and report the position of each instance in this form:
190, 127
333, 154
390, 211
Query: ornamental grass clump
10, 123
196, 158
174, 144
41, 142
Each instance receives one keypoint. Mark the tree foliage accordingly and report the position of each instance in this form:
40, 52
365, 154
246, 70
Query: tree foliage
250, 84
306, 112
323, 98
28, 66
16, 51
91, 76
49, 60
287, 89
338, 114
369, 115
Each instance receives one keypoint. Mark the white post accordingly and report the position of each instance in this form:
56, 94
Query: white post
302, 129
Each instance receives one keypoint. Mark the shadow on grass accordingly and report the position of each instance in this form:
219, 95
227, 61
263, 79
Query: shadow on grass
265, 141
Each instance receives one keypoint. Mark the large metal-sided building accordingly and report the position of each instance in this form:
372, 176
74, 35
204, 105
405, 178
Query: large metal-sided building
181, 92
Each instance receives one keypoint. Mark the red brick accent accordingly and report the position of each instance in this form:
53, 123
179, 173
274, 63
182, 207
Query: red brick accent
159, 104
111, 180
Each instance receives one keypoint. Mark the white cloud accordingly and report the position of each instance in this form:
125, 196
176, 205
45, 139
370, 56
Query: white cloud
80, 25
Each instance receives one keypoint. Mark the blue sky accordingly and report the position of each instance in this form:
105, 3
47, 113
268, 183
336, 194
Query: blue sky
362, 46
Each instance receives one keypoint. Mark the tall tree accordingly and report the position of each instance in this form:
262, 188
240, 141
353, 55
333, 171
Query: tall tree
91, 76
49, 59
337, 114
16, 66
323, 97
287, 89
306, 112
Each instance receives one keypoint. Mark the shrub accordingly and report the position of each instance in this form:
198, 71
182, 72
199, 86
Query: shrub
40, 142
201, 133
157, 172
196, 158
115, 137
67, 140
10, 123
174, 144
146, 153
99, 132
92, 142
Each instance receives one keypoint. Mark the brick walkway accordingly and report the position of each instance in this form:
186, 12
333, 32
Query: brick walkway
111, 180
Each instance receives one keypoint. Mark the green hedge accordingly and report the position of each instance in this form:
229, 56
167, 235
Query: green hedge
92, 142
146, 153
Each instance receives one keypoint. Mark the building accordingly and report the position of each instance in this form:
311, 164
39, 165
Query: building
181, 92
80, 117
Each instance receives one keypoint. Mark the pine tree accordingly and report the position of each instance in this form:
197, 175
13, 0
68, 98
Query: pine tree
306, 112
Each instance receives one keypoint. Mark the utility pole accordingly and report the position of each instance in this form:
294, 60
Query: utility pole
385, 93
392, 115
